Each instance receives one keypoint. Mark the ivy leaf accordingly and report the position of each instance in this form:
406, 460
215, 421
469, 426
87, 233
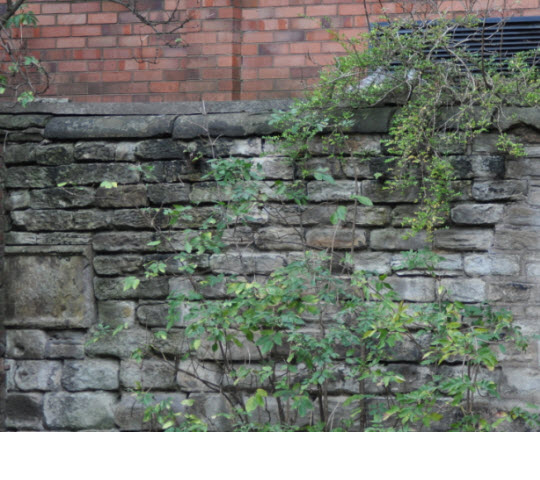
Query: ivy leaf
131, 283
339, 215
362, 200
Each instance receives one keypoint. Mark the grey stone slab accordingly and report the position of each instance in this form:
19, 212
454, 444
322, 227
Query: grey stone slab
24, 411
227, 125
137, 242
51, 291
325, 191
161, 149
522, 215
113, 289
342, 238
19, 122
397, 239
79, 411
499, 190
121, 196
117, 264
89, 151
41, 375
116, 313
375, 262
121, 345
413, 289
515, 239
167, 193
65, 344
492, 264
154, 314
276, 238
477, 214
464, 239
26, 344
246, 262
467, 290
61, 197
155, 374
90, 374
73, 128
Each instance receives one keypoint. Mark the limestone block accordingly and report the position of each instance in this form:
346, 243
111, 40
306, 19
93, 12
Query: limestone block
133, 126
170, 171
15, 153
122, 196
65, 344
378, 193
13, 122
516, 239
117, 264
451, 265
319, 191
155, 374
273, 168
522, 215
113, 289
393, 239
17, 199
26, 344
53, 154
375, 262
499, 190
477, 214
194, 376
167, 193
154, 314
138, 218
38, 375
61, 197
137, 242
51, 291
161, 149
491, 264
464, 239
510, 292
467, 290
279, 238
24, 411
79, 411
246, 262
121, 345
339, 239
114, 313
90, 374
413, 289
521, 382
95, 151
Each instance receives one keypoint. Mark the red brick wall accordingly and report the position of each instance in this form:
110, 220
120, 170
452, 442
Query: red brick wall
234, 49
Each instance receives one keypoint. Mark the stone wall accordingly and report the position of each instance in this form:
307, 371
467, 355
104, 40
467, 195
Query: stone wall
69, 247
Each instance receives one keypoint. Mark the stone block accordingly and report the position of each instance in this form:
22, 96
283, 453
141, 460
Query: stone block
223, 147
523, 167
140, 218
65, 344
61, 197
53, 154
19, 122
154, 374
137, 242
170, 171
26, 344
466, 290
516, 239
24, 411
521, 382
511, 292
477, 214
378, 193
277, 238
319, 191
499, 190
522, 215
49, 291
167, 193
92, 173
92, 151
154, 314
413, 289
15, 153
278, 168
79, 411
100, 127
194, 376
161, 149
488, 166
375, 262
117, 264
451, 265
464, 239
122, 196
113, 289
491, 264
61, 220
115, 313
41, 375
393, 239
17, 199
121, 345
246, 262
372, 120
90, 374
31, 177
339, 239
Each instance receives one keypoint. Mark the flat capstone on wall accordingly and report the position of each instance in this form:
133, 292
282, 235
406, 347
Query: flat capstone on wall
69, 244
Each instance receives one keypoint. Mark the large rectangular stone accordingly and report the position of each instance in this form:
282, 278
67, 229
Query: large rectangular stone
397, 239
90, 374
465, 239
332, 238
137, 242
41, 375
491, 264
467, 290
413, 289
246, 262
477, 213
72, 128
113, 288
499, 190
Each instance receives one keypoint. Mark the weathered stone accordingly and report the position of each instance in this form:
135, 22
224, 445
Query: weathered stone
238, 236
450, 265
393, 239
306, 169
17, 199
16, 122
79, 411
516, 116
466, 290
137, 241
488, 166
413, 289
115, 314
24, 411
375, 262
71, 128
223, 147
91, 173
320, 214
122, 196
532, 270
49, 291
125, 152
95, 151
18, 153
273, 167
54, 154
522, 215
113, 289
486, 143
52, 239
372, 120
28, 135
338, 239
325, 191
522, 381
90, 374
31, 177
121, 345
470, 239
196, 376
378, 193
59, 220
226, 125
491, 264
27, 344
275, 238
477, 214
161, 149
129, 412
246, 262
534, 194
38, 375
509, 292
117, 264
499, 190
201, 284
167, 193
517, 239
65, 344
61, 197
523, 167
140, 218
155, 314
158, 374
170, 171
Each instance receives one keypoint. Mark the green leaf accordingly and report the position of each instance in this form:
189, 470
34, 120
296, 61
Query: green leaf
362, 200
131, 283
339, 215
107, 184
